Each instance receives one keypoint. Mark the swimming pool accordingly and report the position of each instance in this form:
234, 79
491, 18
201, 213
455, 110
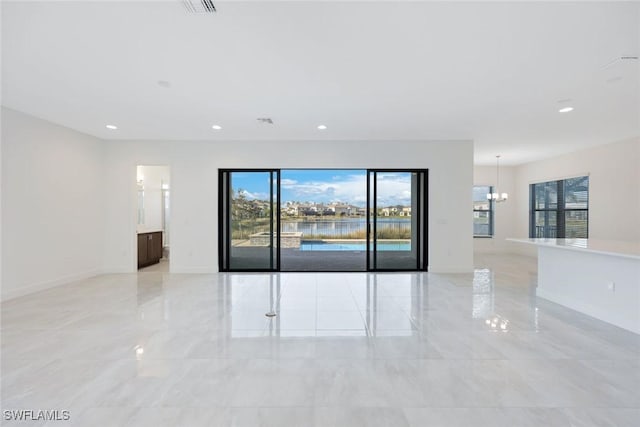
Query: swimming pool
312, 245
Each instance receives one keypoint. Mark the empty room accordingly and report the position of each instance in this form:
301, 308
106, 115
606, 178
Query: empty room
320, 213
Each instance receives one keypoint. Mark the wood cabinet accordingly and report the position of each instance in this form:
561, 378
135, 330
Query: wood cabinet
149, 248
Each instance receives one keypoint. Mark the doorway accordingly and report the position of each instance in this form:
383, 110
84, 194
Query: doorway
323, 220
153, 185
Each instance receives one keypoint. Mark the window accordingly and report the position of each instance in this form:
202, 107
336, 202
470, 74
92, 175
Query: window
482, 211
560, 209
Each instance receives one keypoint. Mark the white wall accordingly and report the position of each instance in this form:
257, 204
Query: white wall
52, 204
194, 192
1, 181
69, 199
614, 189
504, 212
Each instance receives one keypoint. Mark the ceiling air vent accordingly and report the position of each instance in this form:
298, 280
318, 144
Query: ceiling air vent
265, 120
199, 6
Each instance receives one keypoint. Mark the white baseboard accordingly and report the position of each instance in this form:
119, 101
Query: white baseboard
41, 286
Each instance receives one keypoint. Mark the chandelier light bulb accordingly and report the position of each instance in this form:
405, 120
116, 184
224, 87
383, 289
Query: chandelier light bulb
497, 196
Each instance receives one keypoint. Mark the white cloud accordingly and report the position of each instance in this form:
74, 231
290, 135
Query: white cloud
392, 189
255, 196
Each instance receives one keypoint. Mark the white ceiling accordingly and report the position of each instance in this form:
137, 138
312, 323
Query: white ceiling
491, 72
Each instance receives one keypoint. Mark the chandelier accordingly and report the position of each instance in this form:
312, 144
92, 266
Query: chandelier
497, 196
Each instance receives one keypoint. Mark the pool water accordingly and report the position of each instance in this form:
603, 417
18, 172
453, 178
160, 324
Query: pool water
330, 246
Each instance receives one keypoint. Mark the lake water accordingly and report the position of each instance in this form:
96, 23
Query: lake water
339, 227
338, 246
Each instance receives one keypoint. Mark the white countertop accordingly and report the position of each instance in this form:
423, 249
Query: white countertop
605, 247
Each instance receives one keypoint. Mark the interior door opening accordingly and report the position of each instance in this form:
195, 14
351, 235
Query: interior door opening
322, 220
153, 217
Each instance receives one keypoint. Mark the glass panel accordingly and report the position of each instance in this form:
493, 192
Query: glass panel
251, 228
576, 224
571, 210
480, 201
323, 220
546, 195
481, 223
576, 193
396, 230
482, 210
545, 224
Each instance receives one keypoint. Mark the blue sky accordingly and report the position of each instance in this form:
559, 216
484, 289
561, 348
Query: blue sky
324, 186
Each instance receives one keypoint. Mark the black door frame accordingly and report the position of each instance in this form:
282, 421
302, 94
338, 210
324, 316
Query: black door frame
421, 223
224, 224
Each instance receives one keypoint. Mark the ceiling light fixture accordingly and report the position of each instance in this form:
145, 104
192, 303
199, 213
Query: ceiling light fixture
216, 127
111, 127
497, 196
565, 110
322, 127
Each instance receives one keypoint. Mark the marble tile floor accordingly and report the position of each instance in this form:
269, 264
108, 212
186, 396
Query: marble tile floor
345, 349
161, 267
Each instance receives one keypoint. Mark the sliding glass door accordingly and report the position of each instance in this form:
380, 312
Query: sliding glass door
396, 220
323, 220
249, 212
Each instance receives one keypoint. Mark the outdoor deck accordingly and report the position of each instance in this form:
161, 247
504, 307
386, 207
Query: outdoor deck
247, 257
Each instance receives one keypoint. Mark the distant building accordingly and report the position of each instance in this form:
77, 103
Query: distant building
342, 210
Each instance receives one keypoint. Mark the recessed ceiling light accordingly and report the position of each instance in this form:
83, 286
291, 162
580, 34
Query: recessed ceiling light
216, 127
111, 127
565, 110
322, 127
